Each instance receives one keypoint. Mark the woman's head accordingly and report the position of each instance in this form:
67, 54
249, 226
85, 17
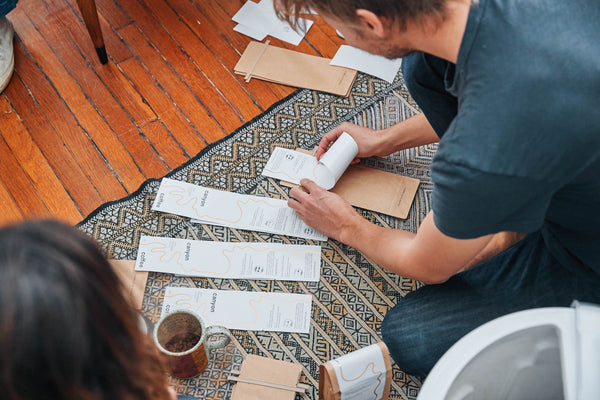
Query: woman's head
66, 331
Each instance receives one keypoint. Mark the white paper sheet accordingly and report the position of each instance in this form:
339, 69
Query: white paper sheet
252, 18
260, 17
379, 66
217, 207
292, 166
249, 311
229, 260
361, 374
251, 31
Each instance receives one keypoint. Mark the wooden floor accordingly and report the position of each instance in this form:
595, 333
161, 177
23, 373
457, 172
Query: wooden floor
75, 133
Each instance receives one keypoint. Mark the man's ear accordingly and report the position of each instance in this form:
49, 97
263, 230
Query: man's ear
372, 22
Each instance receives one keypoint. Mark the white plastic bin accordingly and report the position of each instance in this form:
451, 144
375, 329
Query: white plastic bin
544, 353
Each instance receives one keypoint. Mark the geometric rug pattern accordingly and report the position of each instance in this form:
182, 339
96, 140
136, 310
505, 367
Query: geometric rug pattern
353, 294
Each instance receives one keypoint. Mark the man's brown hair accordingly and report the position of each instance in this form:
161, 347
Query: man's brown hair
399, 11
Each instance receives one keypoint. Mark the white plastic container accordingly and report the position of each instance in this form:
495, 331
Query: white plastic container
538, 354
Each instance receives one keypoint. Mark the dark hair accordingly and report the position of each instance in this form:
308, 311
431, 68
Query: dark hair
66, 330
400, 11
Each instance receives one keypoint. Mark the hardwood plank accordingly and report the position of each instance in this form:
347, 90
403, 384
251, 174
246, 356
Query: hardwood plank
100, 130
213, 119
35, 165
112, 11
5, 106
215, 73
10, 212
119, 160
63, 123
167, 111
222, 50
51, 145
24, 194
109, 75
118, 51
221, 19
324, 39
185, 100
166, 145
105, 103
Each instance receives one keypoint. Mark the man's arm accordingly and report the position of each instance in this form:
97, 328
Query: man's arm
413, 132
428, 256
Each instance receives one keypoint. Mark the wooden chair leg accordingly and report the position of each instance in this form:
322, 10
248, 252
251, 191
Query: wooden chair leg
90, 17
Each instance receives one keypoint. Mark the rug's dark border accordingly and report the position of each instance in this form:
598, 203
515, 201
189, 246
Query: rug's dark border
191, 160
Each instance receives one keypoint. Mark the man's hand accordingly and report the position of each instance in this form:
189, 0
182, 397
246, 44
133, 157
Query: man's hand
325, 211
428, 256
412, 132
368, 140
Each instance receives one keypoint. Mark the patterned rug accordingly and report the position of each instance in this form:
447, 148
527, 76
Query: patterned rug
353, 294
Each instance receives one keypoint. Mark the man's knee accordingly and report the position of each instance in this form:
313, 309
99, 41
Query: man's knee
409, 338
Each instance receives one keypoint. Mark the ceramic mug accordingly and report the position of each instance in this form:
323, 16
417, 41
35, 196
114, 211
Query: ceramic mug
184, 338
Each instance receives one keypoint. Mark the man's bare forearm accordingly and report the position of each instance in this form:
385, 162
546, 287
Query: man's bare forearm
413, 132
428, 256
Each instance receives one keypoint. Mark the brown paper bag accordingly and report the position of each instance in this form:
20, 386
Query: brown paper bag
289, 67
134, 282
374, 190
266, 370
330, 388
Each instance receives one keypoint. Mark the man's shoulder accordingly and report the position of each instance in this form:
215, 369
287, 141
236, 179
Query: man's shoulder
534, 44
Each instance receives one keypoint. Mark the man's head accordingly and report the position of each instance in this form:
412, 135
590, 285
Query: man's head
369, 24
400, 11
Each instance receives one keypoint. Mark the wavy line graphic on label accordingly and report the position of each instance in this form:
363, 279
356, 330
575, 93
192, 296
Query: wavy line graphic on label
370, 365
293, 178
186, 300
161, 248
179, 193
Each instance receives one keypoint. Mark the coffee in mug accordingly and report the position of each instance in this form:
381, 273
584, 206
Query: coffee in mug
184, 338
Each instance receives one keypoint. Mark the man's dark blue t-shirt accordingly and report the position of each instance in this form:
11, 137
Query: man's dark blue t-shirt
523, 152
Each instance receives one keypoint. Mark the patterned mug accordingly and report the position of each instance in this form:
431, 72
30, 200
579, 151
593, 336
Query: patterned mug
183, 337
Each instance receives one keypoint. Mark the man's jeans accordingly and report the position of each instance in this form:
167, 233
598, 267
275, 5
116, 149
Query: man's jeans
7, 6
427, 322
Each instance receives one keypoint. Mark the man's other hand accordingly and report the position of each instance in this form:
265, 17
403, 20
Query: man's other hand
368, 140
325, 211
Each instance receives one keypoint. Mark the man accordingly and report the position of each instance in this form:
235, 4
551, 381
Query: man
511, 89
7, 59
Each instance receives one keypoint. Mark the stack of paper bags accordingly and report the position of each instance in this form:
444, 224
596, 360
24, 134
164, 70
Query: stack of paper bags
288, 67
